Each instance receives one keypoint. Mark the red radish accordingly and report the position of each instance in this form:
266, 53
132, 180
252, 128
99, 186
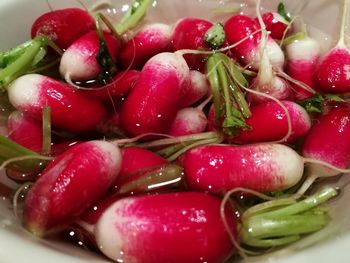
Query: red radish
25, 131
260, 167
302, 59
198, 88
71, 110
149, 41
70, 184
177, 227
276, 24
270, 123
239, 27
189, 33
188, 121
79, 63
333, 72
120, 85
328, 141
63, 26
155, 99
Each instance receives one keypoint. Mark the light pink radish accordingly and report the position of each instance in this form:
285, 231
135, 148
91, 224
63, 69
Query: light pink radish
71, 110
156, 97
25, 131
269, 122
69, 185
198, 88
302, 60
149, 41
189, 33
63, 26
261, 167
333, 72
79, 63
177, 227
276, 24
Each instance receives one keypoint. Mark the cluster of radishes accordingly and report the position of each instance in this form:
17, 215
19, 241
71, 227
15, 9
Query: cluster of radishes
200, 110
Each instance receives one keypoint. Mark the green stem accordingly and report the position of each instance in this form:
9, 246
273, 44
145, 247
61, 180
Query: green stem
215, 36
134, 15
7, 57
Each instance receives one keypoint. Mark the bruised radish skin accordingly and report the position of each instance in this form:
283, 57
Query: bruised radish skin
63, 26
276, 25
70, 110
188, 121
302, 59
69, 185
120, 85
177, 227
269, 123
260, 167
78, 62
149, 41
237, 28
189, 33
25, 131
198, 88
156, 97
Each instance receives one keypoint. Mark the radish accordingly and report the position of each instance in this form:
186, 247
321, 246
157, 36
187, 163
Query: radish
69, 185
71, 111
176, 227
260, 167
25, 131
198, 88
149, 41
79, 62
63, 26
278, 123
276, 24
332, 74
155, 99
120, 85
189, 33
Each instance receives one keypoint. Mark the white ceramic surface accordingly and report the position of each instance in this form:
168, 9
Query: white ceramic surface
16, 17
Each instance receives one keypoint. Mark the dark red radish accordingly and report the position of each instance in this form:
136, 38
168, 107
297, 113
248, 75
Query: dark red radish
189, 33
239, 27
269, 122
302, 60
328, 141
79, 62
276, 24
25, 131
198, 88
120, 85
333, 72
71, 110
148, 42
177, 227
261, 167
156, 97
71, 183
63, 26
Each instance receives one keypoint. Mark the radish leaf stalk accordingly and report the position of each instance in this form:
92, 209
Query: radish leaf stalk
281, 9
215, 36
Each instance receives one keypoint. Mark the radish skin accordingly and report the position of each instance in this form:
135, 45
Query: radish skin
198, 88
69, 185
71, 111
177, 227
276, 24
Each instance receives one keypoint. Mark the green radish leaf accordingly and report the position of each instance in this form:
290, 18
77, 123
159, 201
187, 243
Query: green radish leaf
281, 9
313, 104
215, 36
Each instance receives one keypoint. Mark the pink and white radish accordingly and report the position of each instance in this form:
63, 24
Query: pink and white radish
198, 88
63, 26
260, 167
156, 97
149, 41
25, 131
69, 185
188, 33
79, 63
278, 123
177, 227
333, 72
71, 110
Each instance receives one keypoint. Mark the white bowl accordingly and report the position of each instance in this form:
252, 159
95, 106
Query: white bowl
321, 15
